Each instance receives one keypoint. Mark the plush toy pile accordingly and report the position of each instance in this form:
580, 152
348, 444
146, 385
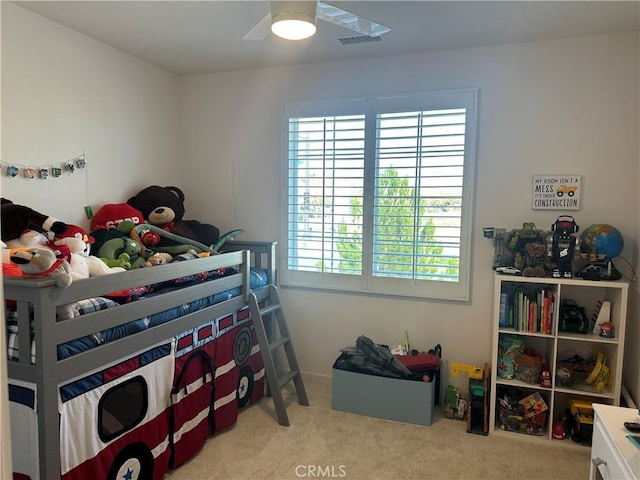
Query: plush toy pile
147, 230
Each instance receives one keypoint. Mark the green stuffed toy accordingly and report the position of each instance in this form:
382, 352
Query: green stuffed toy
122, 252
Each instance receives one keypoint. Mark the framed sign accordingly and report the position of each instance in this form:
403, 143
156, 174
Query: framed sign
556, 192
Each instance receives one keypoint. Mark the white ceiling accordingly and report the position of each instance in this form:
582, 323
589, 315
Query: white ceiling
192, 37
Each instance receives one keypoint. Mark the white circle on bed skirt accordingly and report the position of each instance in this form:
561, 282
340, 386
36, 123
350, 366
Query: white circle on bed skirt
130, 469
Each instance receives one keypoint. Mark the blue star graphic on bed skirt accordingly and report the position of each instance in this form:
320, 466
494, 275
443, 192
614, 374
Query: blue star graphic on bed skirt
128, 475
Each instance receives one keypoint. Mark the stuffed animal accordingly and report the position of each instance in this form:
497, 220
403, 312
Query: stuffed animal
42, 262
123, 261
164, 241
83, 265
121, 251
15, 219
112, 215
34, 239
158, 258
164, 207
28, 239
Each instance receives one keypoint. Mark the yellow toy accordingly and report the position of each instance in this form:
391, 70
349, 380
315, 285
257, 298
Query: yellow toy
473, 371
601, 374
477, 408
581, 428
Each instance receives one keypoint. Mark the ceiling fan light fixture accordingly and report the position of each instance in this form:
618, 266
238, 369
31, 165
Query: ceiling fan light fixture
293, 26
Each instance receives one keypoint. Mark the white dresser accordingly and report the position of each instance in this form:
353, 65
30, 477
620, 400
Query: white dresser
613, 455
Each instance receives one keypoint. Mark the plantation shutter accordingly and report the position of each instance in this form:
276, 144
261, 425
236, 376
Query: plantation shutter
378, 194
326, 178
418, 194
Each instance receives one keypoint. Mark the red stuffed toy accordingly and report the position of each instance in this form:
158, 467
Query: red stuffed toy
113, 214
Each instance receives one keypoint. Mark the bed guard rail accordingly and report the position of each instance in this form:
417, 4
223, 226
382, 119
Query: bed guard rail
263, 255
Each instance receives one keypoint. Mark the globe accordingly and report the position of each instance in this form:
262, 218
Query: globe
601, 242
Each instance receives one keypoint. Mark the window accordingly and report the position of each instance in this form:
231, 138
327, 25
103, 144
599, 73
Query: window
379, 194
121, 408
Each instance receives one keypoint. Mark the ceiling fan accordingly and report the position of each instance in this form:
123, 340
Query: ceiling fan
307, 12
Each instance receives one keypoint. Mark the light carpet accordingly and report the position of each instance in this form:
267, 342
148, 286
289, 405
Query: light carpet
323, 443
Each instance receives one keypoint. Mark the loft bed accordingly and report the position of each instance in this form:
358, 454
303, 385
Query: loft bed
50, 363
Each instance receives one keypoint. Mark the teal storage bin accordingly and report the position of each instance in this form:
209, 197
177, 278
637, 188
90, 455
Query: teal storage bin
391, 398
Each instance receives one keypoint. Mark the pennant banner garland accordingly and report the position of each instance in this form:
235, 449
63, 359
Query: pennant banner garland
13, 170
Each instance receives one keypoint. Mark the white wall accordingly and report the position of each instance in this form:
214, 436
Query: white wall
558, 107
63, 92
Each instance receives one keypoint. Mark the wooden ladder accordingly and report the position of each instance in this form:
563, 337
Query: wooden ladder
269, 345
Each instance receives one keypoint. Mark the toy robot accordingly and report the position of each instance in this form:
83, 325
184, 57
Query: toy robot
563, 245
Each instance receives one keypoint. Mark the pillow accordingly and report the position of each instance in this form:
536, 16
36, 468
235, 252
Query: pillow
95, 304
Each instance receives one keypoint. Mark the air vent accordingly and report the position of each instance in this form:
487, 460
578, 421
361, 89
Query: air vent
359, 39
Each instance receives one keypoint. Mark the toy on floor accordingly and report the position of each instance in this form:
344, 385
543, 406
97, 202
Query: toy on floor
478, 408
473, 371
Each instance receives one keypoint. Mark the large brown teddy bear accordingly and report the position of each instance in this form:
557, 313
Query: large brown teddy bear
164, 207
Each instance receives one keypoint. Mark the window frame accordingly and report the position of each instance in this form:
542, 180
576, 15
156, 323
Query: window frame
369, 106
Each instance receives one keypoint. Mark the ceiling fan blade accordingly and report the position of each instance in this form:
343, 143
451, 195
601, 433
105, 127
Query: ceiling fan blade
261, 30
349, 20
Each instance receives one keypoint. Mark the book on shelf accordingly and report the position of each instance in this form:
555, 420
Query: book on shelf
533, 404
549, 306
504, 310
528, 311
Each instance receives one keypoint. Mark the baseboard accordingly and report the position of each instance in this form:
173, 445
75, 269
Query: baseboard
317, 378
